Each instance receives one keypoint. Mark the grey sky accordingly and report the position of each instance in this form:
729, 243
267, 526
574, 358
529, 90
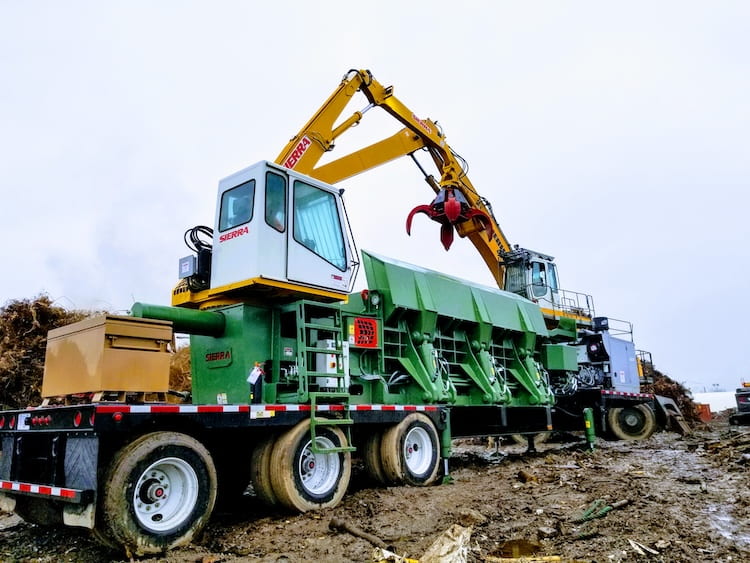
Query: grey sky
613, 137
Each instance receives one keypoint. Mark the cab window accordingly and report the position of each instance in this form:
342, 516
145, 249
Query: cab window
276, 201
237, 206
317, 224
552, 276
515, 279
538, 279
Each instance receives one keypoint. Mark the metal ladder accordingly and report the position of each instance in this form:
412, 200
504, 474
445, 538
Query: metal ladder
330, 398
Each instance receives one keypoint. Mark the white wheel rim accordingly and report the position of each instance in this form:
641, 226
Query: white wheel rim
165, 494
418, 450
632, 420
319, 472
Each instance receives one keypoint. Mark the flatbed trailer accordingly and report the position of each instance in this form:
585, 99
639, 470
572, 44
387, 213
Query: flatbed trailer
284, 394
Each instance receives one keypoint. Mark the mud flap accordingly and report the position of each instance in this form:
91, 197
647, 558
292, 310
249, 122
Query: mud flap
669, 415
81, 516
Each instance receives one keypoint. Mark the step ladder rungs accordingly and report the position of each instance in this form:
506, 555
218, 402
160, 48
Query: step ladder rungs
322, 421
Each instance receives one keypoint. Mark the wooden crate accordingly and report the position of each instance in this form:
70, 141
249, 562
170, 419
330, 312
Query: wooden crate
108, 353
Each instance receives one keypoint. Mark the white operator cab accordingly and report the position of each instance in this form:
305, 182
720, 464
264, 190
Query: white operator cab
280, 229
534, 275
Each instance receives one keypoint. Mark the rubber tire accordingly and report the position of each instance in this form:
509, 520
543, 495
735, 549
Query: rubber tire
286, 479
618, 422
395, 463
539, 438
372, 457
116, 518
260, 471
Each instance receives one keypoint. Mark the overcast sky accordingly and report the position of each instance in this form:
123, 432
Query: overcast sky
613, 137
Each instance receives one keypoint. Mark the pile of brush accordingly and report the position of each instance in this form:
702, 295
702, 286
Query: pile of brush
179, 370
24, 324
23, 341
668, 387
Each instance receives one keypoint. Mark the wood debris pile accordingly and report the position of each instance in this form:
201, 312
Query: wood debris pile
23, 341
24, 324
668, 387
179, 370
732, 449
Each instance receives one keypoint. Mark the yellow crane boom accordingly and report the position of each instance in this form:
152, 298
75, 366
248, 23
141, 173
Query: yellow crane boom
457, 204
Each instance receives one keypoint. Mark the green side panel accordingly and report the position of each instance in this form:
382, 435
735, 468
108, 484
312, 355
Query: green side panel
410, 288
220, 366
566, 331
461, 343
559, 357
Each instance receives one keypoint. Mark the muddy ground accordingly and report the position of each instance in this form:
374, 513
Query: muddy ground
687, 500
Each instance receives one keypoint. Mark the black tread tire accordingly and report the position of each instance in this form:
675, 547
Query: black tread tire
394, 459
117, 518
631, 423
260, 471
539, 438
372, 457
286, 480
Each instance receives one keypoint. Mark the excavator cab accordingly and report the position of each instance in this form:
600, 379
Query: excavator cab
534, 276
277, 234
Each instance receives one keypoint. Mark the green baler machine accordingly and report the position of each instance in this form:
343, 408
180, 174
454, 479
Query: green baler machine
414, 337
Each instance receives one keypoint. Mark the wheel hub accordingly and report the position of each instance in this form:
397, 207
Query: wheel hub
632, 420
165, 494
154, 489
417, 450
319, 472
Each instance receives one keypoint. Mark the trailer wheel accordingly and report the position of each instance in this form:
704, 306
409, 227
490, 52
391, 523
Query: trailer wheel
372, 457
303, 480
410, 451
158, 493
631, 423
260, 471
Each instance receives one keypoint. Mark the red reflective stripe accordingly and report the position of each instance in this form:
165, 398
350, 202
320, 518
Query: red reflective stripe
627, 394
165, 408
193, 409
211, 408
106, 409
37, 489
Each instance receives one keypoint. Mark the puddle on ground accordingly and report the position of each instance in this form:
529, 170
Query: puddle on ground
725, 524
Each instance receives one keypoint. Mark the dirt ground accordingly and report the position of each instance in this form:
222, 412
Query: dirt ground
687, 500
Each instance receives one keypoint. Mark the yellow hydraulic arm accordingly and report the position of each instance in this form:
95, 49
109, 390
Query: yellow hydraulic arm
457, 204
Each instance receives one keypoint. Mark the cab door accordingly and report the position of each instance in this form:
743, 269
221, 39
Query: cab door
319, 250
543, 285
